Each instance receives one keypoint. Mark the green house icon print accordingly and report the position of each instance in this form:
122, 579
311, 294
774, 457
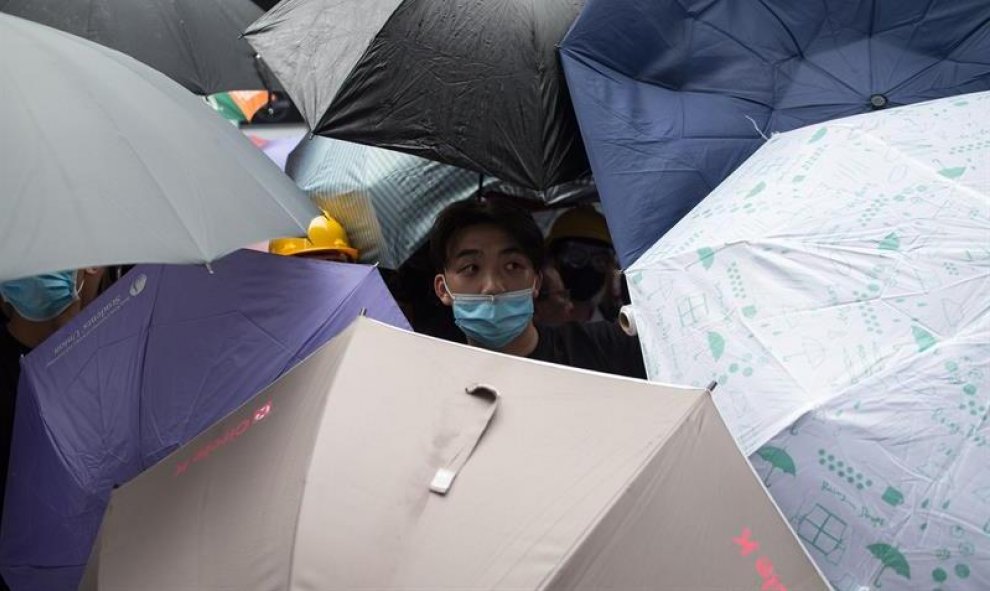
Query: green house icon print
823, 530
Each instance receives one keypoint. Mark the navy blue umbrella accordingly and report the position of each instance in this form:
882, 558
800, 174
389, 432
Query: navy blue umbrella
672, 95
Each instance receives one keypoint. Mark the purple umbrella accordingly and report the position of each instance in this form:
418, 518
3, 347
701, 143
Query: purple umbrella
164, 353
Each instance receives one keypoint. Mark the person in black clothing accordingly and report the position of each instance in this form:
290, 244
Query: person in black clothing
487, 255
581, 249
11, 351
34, 307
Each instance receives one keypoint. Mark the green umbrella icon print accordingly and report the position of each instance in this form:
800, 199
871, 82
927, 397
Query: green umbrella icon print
778, 460
891, 558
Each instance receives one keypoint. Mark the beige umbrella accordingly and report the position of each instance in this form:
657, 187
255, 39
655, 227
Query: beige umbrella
381, 463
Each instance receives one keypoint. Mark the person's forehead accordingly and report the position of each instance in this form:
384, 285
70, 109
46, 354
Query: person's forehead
485, 239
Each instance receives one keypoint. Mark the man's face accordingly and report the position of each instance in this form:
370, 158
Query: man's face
484, 259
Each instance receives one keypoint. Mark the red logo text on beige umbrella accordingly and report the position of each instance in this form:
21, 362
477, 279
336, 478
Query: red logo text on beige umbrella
764, 567
229, 436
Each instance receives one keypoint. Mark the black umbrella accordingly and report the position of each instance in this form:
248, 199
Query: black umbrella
473, 83
195, 42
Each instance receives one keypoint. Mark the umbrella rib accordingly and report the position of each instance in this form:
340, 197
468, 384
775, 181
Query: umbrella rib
836, 79
88, 31
807, 407
168, 202
586, 61
190, 54
976, 29
302, 224
150, 323
922, 167
696, 16
36, 118
542, 113
784, 26
608, 508
330, 316
45, 47
910, 42
815, 404
125, 142
869, 44
297, 518
236, 37
264, 36
932, 483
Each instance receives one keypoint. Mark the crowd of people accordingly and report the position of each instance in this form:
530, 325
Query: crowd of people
487, 277
494, 269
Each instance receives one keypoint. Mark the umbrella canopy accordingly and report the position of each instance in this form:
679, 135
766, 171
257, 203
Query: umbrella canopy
164, 353
386, 200
195, 43
676, 101
133, 169
842, 276
472, 83
339, 476
239, 106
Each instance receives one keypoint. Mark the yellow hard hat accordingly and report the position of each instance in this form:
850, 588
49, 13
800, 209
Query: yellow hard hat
325, 235
580, 222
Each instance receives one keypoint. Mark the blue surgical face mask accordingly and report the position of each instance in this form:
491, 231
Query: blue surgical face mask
492, 321
41, 297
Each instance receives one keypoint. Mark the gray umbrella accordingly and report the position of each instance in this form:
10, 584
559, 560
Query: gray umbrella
106, 161
195, 42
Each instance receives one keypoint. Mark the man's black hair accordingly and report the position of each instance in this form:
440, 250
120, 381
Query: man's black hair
516, 222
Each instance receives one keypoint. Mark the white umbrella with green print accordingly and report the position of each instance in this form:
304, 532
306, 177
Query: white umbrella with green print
837, 286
